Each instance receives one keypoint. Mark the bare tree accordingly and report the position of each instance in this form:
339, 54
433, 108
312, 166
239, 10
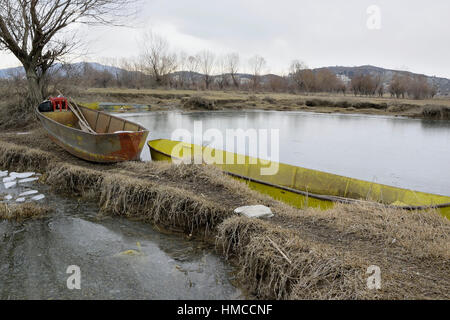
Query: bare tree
207, 60
182, 76
327, 81
157, 59
257, 64
419, 88
32, 31
303, 77
232, 65
192, 65
364, 84
379, 83
398, 85
222, 69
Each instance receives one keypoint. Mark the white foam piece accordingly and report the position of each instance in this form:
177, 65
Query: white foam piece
10, 184
28, 180
8, 197
20, 200
28, 193
38, 197
258, 211
22, 175
9, 179
3, 174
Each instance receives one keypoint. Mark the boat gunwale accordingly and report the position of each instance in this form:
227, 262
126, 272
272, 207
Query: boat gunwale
96, 133
314, 195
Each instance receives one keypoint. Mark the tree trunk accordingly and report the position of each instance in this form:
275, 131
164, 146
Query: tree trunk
35, 86
235, 82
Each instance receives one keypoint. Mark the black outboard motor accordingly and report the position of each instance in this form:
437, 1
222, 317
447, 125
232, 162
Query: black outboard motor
46, 106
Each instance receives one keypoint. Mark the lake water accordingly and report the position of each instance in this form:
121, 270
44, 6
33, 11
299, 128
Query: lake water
408, 153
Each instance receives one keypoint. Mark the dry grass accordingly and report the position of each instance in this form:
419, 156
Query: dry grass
278, 263
18, 157
21, 212
142, 198
163, 205
198, 102
16, 111
325, 254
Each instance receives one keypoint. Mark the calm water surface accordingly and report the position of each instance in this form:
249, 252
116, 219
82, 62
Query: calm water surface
401, 152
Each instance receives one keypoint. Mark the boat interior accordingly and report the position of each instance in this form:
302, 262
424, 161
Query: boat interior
100, 122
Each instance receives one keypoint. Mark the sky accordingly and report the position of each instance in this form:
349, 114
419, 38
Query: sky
396, 34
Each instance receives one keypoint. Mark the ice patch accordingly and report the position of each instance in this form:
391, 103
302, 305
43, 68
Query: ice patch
10, 184
28, 193
23, 175
8, 197
20, 200
38, 197
3, 174
9, 179
28, 180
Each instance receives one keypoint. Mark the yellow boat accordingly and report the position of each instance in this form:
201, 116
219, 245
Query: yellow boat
297, 186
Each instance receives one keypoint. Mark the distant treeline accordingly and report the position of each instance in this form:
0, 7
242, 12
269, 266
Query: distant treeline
158, 67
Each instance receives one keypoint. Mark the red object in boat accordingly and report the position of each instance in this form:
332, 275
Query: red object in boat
59, 102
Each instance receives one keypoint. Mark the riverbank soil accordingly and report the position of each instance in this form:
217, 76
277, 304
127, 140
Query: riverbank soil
297, 254
437, 108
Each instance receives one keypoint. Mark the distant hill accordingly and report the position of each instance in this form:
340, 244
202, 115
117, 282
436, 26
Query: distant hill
443, 84
345, 73
8, 72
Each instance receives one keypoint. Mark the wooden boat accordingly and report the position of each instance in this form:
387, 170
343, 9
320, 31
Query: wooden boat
299, 186
111, 139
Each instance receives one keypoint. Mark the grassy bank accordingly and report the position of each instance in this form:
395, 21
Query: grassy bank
297, 254
438, 108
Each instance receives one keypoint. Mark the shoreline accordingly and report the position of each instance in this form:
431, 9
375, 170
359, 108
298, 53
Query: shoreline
328, 251
435, 109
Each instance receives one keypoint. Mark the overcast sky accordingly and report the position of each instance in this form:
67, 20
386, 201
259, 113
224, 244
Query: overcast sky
407, 34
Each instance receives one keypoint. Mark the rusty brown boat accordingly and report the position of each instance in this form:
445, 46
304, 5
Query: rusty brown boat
90, 134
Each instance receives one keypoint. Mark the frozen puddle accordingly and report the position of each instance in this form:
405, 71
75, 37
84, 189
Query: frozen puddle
16, 187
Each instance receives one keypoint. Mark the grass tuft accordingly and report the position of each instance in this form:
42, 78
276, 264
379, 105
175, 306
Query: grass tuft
21, 212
